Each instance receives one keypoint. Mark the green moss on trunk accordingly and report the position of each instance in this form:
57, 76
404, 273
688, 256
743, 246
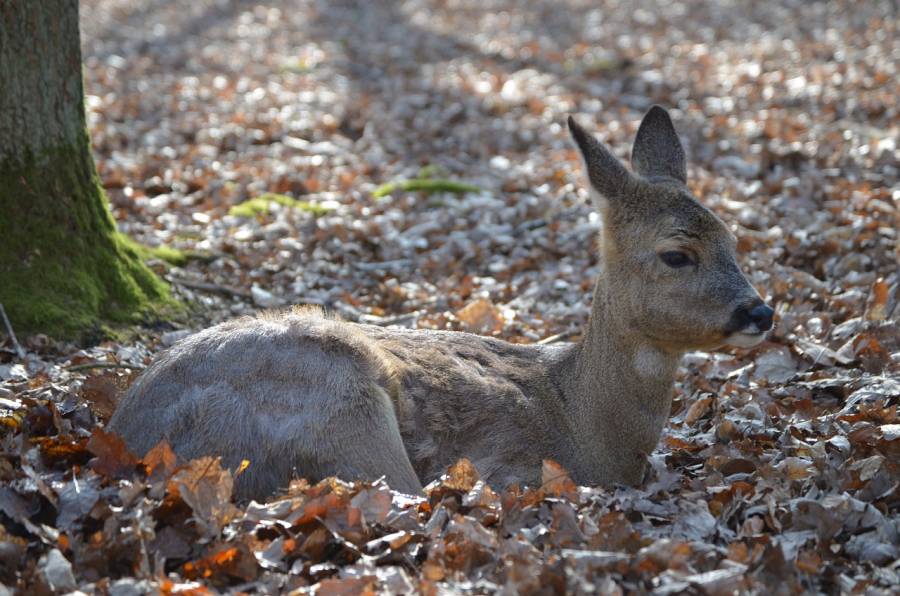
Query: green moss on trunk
64, 268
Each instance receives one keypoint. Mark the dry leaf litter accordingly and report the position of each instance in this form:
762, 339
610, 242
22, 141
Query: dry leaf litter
779, 471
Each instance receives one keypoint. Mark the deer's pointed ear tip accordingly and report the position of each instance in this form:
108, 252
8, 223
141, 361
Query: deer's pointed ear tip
577, 133
657, 113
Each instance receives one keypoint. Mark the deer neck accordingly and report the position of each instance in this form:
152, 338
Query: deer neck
618, 392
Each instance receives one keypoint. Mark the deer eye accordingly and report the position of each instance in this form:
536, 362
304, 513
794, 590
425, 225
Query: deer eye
676, 259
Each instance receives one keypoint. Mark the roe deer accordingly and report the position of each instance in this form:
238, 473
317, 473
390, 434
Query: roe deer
301, 394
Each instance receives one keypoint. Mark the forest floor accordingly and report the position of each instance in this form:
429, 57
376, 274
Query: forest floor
779, 471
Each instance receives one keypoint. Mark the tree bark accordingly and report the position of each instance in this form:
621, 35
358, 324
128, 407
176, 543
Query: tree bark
64, 268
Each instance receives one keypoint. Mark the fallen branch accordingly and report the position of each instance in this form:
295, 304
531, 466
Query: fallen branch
90, 365
20, 352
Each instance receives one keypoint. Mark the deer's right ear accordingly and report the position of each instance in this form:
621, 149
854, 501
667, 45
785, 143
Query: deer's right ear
605, 172
657, 152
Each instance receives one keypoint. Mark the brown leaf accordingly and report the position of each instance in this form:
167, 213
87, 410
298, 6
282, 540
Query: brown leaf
555, 480
351, 586
61, 450
676, 443
726, 431
160, 461
481, 316
664, 554
206, 488
374, 503
461, 476
809, 561
321, 507
467, 545
737, 465
698, 410
722, 496
102, 391
880, 295
796, 468
871, 353
112, 456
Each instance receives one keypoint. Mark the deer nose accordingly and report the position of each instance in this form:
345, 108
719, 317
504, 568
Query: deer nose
761, 316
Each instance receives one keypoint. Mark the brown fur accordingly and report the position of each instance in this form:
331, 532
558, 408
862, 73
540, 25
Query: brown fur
300, 394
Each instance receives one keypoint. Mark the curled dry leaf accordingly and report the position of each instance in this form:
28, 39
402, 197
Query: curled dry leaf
206, 488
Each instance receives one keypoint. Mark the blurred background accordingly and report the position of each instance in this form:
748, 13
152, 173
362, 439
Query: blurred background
788, 111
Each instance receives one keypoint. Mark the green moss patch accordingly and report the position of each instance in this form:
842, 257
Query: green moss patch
174, 256
170, 255
262, 204
426, 185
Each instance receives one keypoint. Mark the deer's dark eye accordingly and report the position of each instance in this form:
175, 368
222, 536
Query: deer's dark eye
676, 259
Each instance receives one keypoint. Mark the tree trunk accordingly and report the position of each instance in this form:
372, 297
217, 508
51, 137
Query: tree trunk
63, 266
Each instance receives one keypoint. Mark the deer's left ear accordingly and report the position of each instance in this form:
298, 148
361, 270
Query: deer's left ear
657, 152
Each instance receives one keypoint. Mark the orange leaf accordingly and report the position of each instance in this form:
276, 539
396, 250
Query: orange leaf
232, 562
160, 460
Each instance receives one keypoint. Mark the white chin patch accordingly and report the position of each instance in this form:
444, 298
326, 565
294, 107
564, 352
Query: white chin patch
744, 340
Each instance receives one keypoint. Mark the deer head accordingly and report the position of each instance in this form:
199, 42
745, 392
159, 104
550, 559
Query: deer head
670, 272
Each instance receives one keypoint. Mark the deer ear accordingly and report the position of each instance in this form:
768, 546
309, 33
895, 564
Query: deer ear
657, 152
605, 173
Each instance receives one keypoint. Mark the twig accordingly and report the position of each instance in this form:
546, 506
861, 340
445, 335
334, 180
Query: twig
208, 287
90, 365
20, 352
558, 337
